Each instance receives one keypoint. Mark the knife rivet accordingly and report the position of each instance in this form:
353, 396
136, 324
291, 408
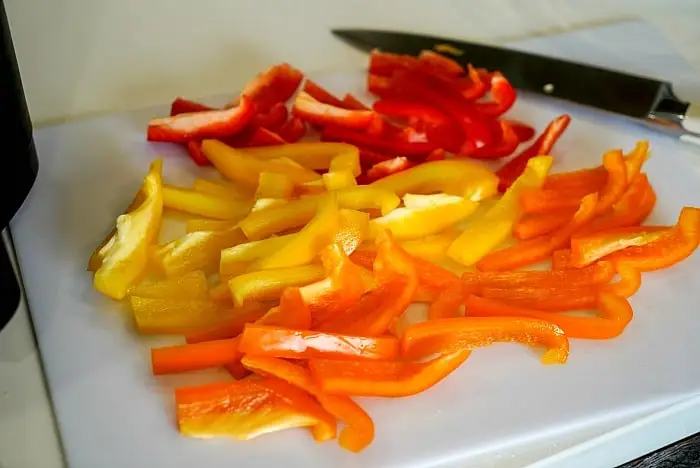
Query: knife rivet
548, 88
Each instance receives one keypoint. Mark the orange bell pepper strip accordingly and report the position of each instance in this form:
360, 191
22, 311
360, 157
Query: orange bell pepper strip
542, 201
536, 225
269, 284
192, 285
416, 222
673, 247
614, 163
202, 204
587, 249
233, 325
261, 224
629, 283
308, 242
206, 224
248, 408
560, 259
593, 179
598, 273
359, 430
222, 188
318, 113
373, 314
384, 379
448, 302
615, 314
291, 313
541, 248
551, 299
491, 229
244, 169
184, 358
286, 343
166, 316
200, 250
124, 257
451, 334
274, 185
467, 179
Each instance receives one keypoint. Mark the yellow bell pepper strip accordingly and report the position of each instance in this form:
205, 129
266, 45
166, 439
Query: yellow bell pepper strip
236, 260
222, 188
432, 248
308, 242
206, 224
199, 250
490, 230
295, 213
202, 204
274, 185
424, 339
192, 285
354, 229
249, 408
358, 432
125, 256
414, 223
265, 203
166, 316
342, 171
467, 179
246, 170
316, 155
232, 325
269, 284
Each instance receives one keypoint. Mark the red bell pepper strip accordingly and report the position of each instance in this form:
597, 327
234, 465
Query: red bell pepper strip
388, 167
317, 92
199, 125
437, 154
587, 249
263, 137
523, 130
273, 119
615, 314
440, 64
274, 85
358, 432
385, 64
478, 84
185, 106
293, 130
543, 145
318, 113
503, 146
286, 343
351, 102
538, 249
410, 109
369, 158
194, 151
503, 95
598, 273
375, 143
385, 379
445, 335
380, 85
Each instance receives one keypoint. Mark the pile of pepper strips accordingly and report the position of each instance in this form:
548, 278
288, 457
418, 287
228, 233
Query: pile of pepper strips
316, 270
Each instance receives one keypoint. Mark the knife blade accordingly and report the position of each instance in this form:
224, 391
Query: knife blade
642, 98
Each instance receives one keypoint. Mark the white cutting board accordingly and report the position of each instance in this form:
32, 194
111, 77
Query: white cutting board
112, 413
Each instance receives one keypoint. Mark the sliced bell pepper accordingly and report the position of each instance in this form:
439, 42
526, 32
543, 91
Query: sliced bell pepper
200, 250
411, 150
207, 124
264, 137
597, 273
274, 185
615, 314
504, 145
240, 167
293, 130
437, 154
231, 326
351, 102
543, 145
586, 250
125, 256
269, 284
521, 129
548, 298
185, 106
318, 113
222, 188
192, 285
560, 259
246, 409
184, 358
503, 95
236, 260
316, 155
273, 119
388, 167
448, 302
167, 316
380, 85
259, 340
536, 225
413, 223
432, 248
617, 183
490, 230
452, 334
342, 171
426, 114
440, 63
318, 93
207, 224
274, 85
385, 64
384, 379
629, 283
374, 313
359, 430
468, 179
292, 312
593, 179
534, 250
673, 247
194, 151
203, 204
545, 201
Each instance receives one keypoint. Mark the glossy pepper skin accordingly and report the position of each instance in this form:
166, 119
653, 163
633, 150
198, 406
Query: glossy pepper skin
318, 113
125, 256
588, 249
274, 85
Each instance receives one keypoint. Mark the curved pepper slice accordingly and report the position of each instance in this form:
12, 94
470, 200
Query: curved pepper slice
342, 171
629, 283
385, 379
318, 113
504, 145
320, 94
206, 124
614, 163
388, 167
615, 314
673, 247
598, 273
535, 250
291, 313
274, 185
450, 334
359, 430
549, 298
269, 284
185, 106
202, 204
490, 230
374, 313
448, 302
271, 120
503, 95
433, 247
274, 85
588, 249
440, 63
125, 256
468, 179
208, 224
286, 343
248, 408
192, 285
293, 130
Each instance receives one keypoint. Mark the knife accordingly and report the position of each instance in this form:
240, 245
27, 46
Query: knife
644, 99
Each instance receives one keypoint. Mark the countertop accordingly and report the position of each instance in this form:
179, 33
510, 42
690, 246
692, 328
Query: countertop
85, 57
